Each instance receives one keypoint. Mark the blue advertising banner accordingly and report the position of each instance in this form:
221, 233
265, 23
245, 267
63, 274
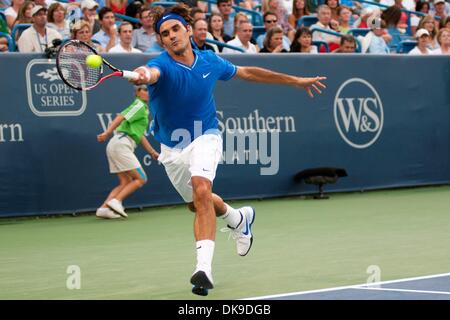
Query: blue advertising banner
384, 119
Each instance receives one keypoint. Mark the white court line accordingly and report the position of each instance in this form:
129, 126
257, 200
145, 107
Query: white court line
403, 290
348, 287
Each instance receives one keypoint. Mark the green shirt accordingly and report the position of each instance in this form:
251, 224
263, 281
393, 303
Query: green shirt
136, 120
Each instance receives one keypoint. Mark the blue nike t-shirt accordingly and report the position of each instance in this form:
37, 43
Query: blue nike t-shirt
183, 96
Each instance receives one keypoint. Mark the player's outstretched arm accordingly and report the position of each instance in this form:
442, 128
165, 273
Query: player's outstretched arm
114, 124
146, 75
262, 75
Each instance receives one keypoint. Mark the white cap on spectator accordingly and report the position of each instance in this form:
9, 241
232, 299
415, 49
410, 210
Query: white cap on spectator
422, 32
36, 9
438, 1
88, 4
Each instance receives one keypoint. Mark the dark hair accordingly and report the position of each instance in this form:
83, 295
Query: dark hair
270, 34
391, 16
103, 11
296, 12
348, 38
444, 22
295, 46
421, 4
337, 5
223, 1
269, 13
180, 9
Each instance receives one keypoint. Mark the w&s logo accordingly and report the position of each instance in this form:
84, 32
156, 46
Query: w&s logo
358, 113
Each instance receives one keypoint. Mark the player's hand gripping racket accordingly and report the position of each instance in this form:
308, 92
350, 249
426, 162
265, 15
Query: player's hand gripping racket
73, 70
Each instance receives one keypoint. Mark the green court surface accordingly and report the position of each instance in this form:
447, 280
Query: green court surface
300, 244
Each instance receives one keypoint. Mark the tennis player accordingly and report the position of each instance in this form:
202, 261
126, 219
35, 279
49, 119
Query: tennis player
181, 83
131, 124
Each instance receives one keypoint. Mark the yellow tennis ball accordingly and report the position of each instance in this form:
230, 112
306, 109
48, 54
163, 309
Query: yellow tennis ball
94, 61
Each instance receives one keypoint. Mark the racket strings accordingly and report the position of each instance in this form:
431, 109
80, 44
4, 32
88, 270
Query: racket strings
72, 64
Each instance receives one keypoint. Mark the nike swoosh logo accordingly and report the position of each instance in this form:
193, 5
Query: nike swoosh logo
164, 18
246, 228
206, 75
199, 247
205, 170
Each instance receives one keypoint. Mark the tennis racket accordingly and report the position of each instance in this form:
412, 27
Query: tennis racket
73, 70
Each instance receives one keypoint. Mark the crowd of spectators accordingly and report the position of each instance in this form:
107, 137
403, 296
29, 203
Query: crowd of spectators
303, 26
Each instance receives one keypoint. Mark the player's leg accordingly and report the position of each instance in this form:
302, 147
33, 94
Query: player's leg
240, 221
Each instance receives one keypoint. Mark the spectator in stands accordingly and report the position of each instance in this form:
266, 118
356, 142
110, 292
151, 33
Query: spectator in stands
81, 30
238, 18
155, 46
440, 8
276, 7
333, 5
199, 33
273, 43
225, 10
421, 6
324, 16
12, 12
303, 41
133, 10
38, 37
242, 40
299, 9
345, 14
56, 17
374, 41
24, 15
89, 10
423, 38
445, 23
427, 23
107, 36
126, 37
347, 44
392, 17
443, 38
271, 21
215, 27
145, 36
117, 6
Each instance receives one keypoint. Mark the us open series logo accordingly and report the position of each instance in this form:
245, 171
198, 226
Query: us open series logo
48, 95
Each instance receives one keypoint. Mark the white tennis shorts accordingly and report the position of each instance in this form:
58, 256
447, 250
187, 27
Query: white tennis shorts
200, 158
120, 153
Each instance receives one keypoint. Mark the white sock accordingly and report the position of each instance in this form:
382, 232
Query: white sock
233, 217
205, 252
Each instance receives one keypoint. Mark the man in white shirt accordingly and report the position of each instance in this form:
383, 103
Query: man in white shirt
242, 40
423, 39
126, 38
324, 16
38, 37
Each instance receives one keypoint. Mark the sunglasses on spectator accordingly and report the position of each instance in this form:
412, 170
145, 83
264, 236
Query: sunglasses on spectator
270, 21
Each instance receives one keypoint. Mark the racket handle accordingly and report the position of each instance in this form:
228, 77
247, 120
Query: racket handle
130, 75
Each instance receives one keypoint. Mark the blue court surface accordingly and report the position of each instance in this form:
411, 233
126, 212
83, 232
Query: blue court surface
432, 287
